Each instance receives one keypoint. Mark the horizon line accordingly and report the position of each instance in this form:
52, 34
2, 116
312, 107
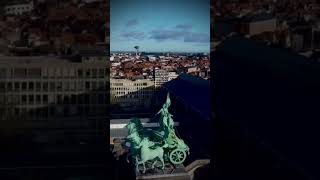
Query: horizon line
161, 51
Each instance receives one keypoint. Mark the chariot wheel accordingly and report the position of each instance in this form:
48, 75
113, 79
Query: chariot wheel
177, 156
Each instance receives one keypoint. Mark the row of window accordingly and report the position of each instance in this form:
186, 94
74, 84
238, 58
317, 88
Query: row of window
62, 111
129, 88
143, 97
56, 99
52, 86
52, 73
19, 8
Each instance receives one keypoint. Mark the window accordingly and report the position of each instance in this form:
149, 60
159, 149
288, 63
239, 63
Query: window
80, 73
16, 99
94, 85
9, 86
38, 99
94, 73
51, 72
80, 85
72, 73
31, 86
72, 85
87, 85
31, 100
2, 86
45, 98
17, 86
101, 73
45, 86
59, 99
3, 73
58, 73
24, 99
88, 73
44, 73
51, 98
38, 86
65, 73
66, 86
24, 86
52, 86
59, 86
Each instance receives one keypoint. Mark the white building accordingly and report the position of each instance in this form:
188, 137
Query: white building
18, 9
160, 77
172, 75
192, 69
132, 95
152, 58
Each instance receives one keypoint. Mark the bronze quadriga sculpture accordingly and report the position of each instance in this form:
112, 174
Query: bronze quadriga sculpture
152, 146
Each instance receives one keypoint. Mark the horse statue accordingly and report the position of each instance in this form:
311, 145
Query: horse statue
134, 136
147, 153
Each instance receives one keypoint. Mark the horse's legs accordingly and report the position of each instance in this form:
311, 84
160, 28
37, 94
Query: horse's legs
162, 161
144, 167
137, 164
153, 164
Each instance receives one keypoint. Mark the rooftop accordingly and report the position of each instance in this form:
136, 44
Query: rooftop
194, 91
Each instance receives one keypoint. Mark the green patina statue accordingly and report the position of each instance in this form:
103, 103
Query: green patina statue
153, 145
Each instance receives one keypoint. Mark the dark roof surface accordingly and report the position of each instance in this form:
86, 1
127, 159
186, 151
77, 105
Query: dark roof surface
194, 91
272, 94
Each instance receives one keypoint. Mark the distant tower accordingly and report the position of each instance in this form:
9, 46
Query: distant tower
137, 49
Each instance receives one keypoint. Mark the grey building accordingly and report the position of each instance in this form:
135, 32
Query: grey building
55, 96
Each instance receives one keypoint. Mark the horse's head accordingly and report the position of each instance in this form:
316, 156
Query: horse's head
131, 127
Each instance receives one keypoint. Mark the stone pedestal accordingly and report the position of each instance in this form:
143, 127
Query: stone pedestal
169, 173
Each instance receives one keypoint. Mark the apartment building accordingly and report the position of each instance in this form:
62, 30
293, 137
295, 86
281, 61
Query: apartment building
132, 95
63, 94
160, 77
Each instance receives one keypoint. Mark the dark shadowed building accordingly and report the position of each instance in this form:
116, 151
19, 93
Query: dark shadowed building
266, 107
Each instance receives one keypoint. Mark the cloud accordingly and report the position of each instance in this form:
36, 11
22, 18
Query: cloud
186, 36
162, 35
133, 35
132, 22
197, 37
184, 26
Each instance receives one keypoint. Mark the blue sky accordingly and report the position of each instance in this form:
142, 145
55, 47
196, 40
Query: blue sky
160, 25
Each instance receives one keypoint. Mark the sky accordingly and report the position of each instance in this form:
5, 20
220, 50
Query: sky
160, 25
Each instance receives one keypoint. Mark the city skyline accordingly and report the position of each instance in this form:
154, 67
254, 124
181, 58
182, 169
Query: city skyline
162, 26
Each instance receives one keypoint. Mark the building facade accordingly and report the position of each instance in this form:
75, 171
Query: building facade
61, 94
18, 9
132, 95
160, 77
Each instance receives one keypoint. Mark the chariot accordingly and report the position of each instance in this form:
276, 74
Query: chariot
160, 144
